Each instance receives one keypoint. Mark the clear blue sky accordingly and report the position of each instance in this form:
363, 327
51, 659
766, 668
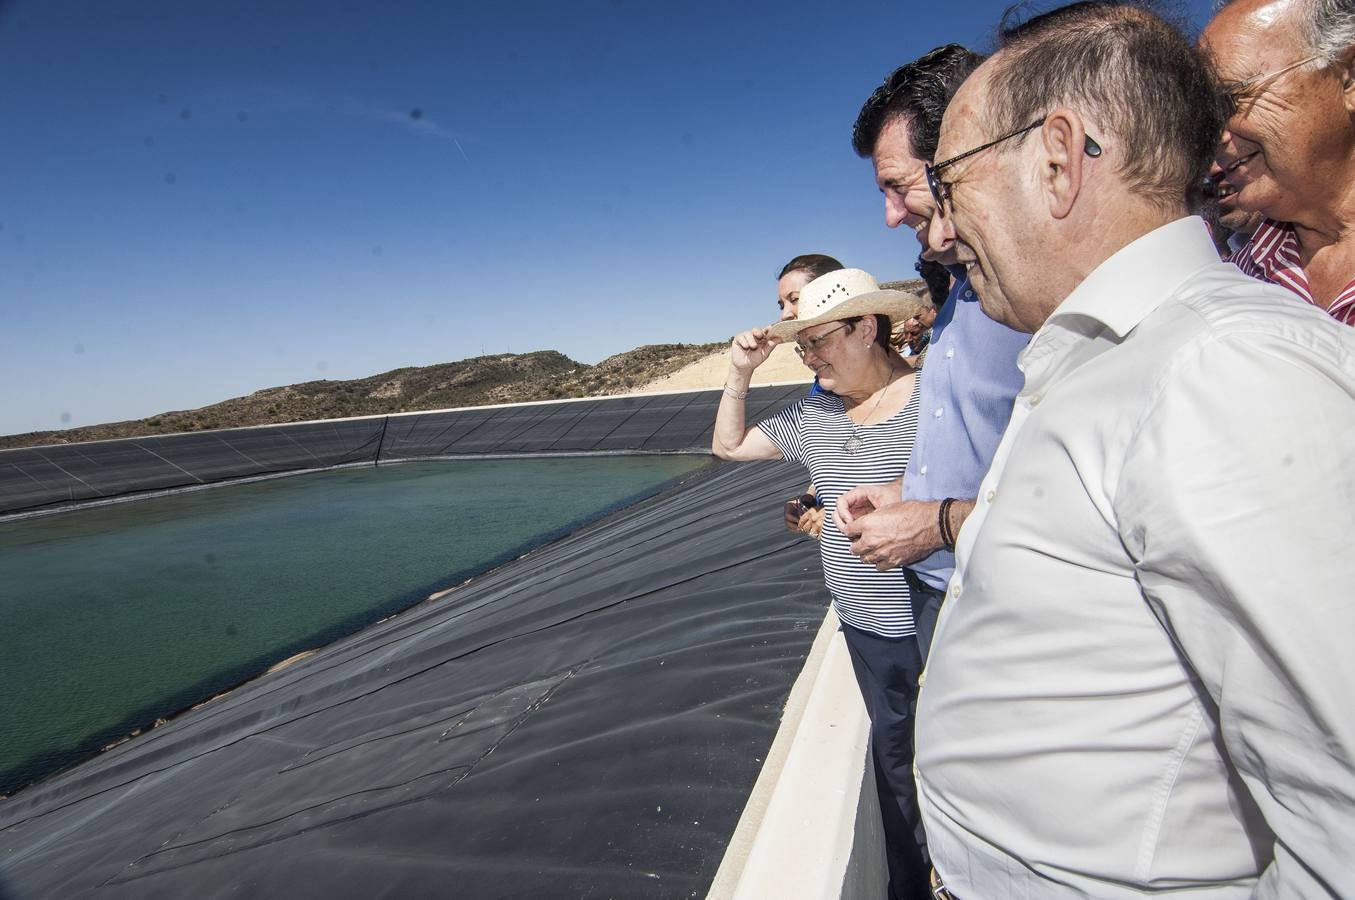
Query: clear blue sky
198, 200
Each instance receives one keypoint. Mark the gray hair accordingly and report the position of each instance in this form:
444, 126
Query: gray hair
1330, 27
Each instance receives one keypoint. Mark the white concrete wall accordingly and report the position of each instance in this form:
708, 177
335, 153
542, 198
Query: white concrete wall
811, 828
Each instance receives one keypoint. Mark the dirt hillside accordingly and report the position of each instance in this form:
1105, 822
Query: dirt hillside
710, 372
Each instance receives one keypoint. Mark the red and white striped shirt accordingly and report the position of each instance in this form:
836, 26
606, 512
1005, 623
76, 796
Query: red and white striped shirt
1272, 255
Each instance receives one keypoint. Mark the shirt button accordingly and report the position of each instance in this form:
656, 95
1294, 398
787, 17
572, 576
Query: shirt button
954, 592
922, 678
950, 354
969, 295
922, 471
990, 496
1034, 398
937, 414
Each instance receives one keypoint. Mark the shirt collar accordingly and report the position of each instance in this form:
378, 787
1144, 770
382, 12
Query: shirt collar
1124, 289
962, 291
1273, 244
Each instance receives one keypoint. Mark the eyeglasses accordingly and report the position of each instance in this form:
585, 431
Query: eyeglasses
1237, 93
941, 190
814, 343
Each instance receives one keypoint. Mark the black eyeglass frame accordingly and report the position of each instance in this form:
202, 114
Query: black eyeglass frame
941, 191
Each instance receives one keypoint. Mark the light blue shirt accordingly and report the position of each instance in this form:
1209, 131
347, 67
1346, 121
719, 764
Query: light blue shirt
968, 384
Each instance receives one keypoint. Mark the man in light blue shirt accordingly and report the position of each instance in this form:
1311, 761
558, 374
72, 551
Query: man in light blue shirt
967, 388
967, 397
970, 378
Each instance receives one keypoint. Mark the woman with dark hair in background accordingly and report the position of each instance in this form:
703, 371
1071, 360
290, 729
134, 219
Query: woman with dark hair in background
795, 275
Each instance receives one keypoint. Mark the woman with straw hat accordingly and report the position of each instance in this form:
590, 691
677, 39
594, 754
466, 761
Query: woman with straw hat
860, 433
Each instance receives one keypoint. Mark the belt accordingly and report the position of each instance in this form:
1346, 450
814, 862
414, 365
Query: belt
939, 890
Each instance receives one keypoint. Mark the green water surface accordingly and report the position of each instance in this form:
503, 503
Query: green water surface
114, 616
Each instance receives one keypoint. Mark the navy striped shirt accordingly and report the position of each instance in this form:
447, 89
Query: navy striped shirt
812, 433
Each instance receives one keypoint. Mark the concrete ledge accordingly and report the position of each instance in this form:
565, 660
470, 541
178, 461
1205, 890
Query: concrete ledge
808, 830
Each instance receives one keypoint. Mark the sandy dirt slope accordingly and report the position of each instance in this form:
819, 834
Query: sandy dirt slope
782, 365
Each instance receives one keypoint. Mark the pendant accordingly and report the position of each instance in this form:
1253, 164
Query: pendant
853, 444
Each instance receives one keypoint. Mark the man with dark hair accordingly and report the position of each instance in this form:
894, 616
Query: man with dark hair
1140, 681
966, 390
937, 278
971, 376
1289, 149
917, 331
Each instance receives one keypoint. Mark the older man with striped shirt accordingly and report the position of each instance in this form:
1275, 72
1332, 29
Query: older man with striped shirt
1290, 145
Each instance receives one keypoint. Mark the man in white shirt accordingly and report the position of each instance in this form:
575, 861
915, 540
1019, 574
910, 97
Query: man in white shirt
1141, 681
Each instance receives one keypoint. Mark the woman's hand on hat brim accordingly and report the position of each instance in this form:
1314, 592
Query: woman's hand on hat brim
750, 349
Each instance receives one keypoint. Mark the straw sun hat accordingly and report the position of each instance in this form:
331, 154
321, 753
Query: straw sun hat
846, 294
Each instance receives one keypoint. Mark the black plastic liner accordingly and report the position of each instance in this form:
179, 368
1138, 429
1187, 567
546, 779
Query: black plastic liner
586, 721
37, 478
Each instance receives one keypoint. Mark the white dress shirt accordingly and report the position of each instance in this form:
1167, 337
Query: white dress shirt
1143, 679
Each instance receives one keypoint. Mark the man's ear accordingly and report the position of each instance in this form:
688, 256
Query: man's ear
1063, 139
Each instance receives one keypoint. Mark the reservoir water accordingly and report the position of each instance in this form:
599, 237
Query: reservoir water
118, 615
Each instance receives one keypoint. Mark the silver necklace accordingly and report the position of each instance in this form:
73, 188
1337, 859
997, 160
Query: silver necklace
854, 442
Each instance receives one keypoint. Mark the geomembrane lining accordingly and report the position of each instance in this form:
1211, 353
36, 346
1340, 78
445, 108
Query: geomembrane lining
53, 476
587, 720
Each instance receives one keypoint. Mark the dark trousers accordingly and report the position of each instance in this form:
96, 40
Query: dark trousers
886, 671
926, 602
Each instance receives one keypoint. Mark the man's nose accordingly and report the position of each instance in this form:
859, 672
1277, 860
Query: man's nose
894, 213
1226, 153
940, 233
1225, 141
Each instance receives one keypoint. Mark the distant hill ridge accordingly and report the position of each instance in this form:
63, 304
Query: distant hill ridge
504, 378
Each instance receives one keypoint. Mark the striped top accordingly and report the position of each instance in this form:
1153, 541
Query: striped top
1272, 255
812, 433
